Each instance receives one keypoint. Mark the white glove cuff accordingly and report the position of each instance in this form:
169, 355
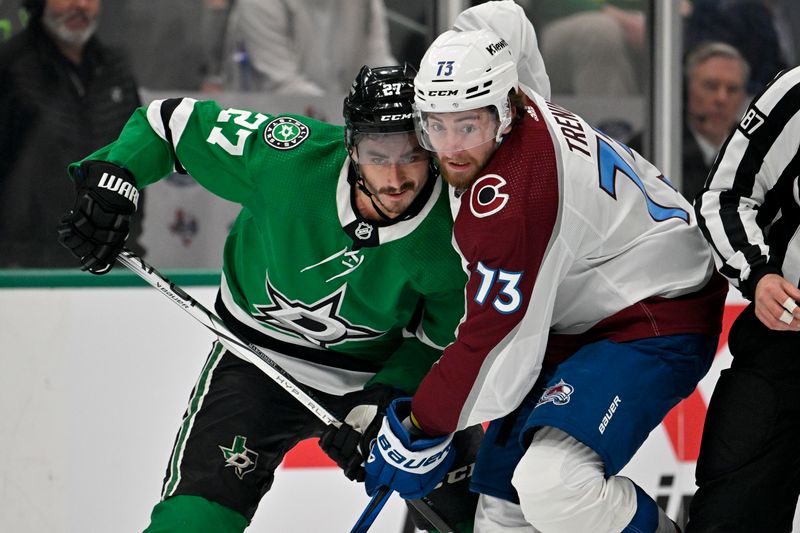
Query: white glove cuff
360, 417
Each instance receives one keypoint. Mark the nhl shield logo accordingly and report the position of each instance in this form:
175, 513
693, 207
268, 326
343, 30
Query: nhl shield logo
364, 231
285, 133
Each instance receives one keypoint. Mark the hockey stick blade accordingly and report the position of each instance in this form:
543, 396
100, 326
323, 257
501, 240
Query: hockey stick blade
249, 352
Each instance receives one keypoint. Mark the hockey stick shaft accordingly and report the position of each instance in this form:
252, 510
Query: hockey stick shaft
249, 352
371, 511
379, 500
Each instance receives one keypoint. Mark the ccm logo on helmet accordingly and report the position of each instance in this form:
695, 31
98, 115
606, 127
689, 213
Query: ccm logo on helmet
496, 47
451, 92
401, 116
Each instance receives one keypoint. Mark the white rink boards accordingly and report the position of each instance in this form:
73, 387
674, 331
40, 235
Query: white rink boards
89, 408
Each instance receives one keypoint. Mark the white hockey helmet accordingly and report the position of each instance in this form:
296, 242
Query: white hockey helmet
461, 71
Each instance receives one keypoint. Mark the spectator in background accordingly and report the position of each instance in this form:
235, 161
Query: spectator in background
62, 94
749, 25
715, 78
591, 47
304, 47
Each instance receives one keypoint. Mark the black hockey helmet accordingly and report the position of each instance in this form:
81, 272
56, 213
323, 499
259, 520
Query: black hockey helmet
380, 101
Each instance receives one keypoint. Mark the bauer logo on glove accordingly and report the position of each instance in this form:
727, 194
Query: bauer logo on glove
420, 462
410, 465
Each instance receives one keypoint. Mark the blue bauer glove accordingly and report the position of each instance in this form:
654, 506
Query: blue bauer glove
410, 465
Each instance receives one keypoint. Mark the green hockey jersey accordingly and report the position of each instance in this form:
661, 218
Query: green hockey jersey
337, 300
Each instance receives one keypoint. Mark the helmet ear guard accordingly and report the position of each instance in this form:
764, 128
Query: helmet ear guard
466, 70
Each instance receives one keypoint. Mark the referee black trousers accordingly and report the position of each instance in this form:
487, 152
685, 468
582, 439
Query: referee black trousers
748, 472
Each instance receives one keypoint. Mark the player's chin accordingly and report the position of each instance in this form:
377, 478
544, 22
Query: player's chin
396, 206
460, 179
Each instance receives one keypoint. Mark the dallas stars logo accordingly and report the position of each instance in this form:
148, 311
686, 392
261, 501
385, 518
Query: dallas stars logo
240, 457
319, 323
285, 133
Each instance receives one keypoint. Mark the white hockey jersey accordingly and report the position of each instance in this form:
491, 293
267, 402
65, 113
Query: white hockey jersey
568, 237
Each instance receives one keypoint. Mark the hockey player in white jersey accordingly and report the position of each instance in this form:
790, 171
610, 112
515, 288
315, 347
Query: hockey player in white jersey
593, 306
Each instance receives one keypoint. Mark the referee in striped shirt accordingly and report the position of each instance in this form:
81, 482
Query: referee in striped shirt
748, 472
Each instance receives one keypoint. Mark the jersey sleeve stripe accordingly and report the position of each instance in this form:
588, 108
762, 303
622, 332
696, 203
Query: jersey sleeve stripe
167, 110
154, 118
180, 118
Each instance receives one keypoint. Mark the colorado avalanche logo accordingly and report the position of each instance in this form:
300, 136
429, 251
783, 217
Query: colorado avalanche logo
486, 197
558, 394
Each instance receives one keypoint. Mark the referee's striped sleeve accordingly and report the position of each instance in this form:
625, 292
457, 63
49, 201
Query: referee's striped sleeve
740, 197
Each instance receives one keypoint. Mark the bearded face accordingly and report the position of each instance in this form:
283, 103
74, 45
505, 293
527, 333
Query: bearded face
69, 22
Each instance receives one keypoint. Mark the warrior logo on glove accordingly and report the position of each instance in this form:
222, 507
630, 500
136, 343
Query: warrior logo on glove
96, 228
119, 186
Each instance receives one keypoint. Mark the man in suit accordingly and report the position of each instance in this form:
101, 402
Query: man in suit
716, 76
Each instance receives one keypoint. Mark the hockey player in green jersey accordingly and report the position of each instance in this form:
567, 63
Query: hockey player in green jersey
339, 266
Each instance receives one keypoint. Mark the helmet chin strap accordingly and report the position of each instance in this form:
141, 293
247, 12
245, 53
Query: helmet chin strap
361, 184
416, 205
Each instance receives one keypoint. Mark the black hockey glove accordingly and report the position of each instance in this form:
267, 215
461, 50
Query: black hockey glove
349, 445
96, 228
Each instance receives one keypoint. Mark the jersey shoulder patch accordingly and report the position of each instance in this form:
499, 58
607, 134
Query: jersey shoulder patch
486, 196
285, 133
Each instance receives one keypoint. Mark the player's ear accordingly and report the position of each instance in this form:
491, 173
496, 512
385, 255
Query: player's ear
515, 107
513, 110
507, 129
